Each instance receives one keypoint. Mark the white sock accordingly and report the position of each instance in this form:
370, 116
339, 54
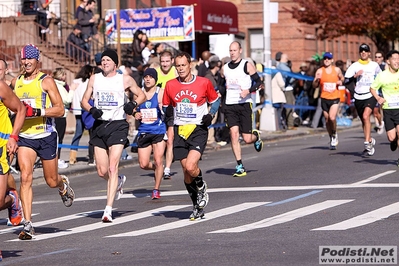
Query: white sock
166, 170
108, 209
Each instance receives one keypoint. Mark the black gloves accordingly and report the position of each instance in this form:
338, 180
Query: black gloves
96, 113
207, 120
129, 107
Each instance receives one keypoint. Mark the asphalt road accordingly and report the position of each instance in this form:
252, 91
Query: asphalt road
298, 195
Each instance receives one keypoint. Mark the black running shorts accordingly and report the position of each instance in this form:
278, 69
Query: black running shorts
196, 141
239, 115
108, 133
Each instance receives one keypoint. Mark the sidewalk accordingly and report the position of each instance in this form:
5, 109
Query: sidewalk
82, 166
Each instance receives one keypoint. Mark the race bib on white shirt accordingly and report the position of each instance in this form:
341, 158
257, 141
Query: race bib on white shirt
393, 101
233, 95
107, 100
329, 86
186, 111
149, 116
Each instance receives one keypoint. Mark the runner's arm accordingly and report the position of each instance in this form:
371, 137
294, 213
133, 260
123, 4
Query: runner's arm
87, 95
57, 106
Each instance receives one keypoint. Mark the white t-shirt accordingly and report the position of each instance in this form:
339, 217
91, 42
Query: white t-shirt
364, 81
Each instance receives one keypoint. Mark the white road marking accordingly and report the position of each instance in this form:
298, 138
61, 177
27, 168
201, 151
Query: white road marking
242, 189
366, 218
55, 220
99, 225
285, 217
374, 177
184, 223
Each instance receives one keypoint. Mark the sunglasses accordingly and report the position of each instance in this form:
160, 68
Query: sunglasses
366, 51
326, 58
378, 56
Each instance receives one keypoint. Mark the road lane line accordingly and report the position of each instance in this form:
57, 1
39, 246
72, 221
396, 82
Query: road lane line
99, 225
187, 222
374, 177
285, 217
294, 198
241, 189
367, 218
52, 221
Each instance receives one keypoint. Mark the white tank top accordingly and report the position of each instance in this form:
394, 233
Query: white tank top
237, 80
109, 96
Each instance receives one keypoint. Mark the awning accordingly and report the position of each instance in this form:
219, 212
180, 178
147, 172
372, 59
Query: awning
213, 16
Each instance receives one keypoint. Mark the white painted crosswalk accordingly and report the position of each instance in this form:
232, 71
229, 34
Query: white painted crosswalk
364, 219
183, 223
285, 217
334, 206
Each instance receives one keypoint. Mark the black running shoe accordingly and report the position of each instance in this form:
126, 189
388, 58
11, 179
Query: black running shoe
394, 144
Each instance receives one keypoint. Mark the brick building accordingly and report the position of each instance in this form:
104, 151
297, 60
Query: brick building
298, 40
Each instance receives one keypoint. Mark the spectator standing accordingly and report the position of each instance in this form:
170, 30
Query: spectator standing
379, 58
146, 53
278, 97
43, 9
204, 65
87, 22
138, 45
157, 50
285, 66
212, 74
59, 76
80, 8
75, 45
79, 84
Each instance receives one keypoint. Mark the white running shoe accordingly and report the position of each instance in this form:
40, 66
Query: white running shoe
369, 147
380, 129
62, 164
119, 190
334, 142
107, 217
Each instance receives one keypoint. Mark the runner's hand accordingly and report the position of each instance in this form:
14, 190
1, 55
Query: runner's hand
129, 107
30, 111
96, 113
207, 120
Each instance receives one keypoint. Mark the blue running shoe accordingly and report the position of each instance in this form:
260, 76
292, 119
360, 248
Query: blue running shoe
258, 144
240, 171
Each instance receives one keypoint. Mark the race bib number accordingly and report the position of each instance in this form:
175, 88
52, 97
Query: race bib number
106, 100
149, 116
393, 101
366, 80
329, 87
186, 110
